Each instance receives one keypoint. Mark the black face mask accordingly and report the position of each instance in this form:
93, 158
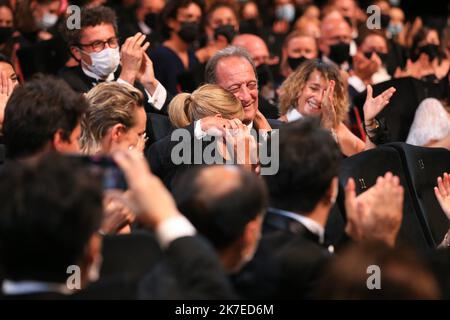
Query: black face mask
295, 62
249, 26
384, 20
226, 30
151, 20
264, 75
340, 52
5, 34
431, 50
430, 78
189, 31
383, 56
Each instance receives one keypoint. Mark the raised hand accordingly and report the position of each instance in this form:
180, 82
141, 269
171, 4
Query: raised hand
442, 192
6, 88
117, 213
243, 146
377, 213
131, 57
329, 118
154, 201
218, 126
146, 74
373, 106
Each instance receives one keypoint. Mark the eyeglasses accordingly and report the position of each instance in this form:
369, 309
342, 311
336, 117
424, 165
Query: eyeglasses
99, 45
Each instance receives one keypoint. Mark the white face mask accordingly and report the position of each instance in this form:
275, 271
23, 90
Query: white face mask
104, 62
48, 20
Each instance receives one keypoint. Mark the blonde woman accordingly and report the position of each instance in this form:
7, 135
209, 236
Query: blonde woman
213, 101
210, 104
115, 119
208, 100
317, 89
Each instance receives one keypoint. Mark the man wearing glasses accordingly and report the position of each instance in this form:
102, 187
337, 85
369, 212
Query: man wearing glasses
96, 46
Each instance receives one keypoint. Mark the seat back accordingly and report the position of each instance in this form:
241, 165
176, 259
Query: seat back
365, 168
422, 167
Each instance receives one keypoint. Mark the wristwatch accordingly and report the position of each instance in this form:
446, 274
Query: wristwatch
372, 129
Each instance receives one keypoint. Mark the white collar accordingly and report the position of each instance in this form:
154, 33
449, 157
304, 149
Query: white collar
357, 83
293, 115
313, 226
94, 76
28, 287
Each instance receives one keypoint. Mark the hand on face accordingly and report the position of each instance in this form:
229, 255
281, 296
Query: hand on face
329, 118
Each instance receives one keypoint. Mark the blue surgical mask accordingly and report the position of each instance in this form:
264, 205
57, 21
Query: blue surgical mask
285, 12
395, 29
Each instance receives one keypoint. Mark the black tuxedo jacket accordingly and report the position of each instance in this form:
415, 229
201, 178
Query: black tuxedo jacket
80, 82
287, 264
188, 269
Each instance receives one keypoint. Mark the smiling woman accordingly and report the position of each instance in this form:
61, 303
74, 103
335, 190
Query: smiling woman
317, 89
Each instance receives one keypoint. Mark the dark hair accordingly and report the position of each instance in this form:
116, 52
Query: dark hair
220, 216
49, 213
221, 4
420, 36
403, 275
309, 160
89, 17
5, 59
170, 11
23, 14
364, 32
36, 110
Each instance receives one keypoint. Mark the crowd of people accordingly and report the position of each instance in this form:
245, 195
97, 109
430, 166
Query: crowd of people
102, 95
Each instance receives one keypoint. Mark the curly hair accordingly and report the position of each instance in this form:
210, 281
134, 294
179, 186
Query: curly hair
294, 84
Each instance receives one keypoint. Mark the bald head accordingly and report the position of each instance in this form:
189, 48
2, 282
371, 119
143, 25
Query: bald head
254, 45
217, 181
220, 201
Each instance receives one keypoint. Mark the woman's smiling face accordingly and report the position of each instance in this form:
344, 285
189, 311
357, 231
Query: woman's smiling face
310, 97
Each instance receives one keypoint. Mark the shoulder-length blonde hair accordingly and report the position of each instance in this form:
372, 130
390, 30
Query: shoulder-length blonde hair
294, 84
110, 103
208, 100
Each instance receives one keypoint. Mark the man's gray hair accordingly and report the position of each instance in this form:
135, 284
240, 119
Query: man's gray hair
231, 51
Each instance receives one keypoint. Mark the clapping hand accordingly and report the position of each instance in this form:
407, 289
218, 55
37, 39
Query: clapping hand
373, 106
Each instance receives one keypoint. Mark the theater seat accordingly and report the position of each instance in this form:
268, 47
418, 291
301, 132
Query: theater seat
365, 167
422, 167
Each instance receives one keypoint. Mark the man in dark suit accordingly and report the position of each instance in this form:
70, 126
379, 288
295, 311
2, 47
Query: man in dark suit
226, 205
42, 115
50, 247
95, 45
234, 70
289, 260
